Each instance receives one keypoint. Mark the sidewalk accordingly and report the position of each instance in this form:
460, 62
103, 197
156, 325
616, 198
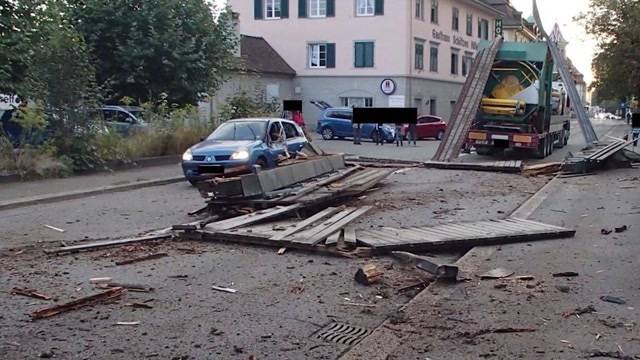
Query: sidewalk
29, 189
509, 318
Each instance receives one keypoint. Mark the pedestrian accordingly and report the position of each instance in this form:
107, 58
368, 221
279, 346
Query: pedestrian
378, 132
297, 118
357, 133
399, 136
412, 134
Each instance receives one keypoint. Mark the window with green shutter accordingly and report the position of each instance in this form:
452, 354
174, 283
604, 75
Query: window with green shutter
433, 59
364, 54
419, 59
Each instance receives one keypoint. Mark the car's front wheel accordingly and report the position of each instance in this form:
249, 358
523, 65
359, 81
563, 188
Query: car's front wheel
440, 135
327, 133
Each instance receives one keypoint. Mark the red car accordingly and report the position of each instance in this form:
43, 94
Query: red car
428, 126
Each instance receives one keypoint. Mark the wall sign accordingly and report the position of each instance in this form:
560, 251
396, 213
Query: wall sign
388, 86
498, 27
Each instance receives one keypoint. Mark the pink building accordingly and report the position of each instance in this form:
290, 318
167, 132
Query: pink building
344, 51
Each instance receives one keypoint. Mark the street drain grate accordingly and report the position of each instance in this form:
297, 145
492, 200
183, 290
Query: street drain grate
342, 333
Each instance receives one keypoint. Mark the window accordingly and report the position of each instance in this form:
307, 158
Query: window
364, 54
483, 29
454, 62
290, 130
428, 119
466, 64
318, 55
365, 7
433, 59
419, 60
356, 102
432, 107
455, 21
272, 9
469, 24
317, 8
434, 11
420, 9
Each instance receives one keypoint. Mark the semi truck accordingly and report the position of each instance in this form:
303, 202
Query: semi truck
522, 108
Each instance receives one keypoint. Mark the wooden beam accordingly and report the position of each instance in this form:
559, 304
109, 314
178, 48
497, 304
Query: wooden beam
104, 244
252, 218
75, 304
315, 239
305, 223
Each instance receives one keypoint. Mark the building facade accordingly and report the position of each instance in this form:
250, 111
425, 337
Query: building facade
515, 27
373, 53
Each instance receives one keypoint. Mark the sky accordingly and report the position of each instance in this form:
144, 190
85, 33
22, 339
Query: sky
581, 48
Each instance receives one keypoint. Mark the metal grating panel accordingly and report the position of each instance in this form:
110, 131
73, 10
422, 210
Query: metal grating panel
342, 333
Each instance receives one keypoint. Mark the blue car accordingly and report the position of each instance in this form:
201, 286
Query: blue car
336, 123
237, 145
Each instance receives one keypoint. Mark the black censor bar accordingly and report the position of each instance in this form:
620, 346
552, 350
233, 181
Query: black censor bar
292, 105
363, 115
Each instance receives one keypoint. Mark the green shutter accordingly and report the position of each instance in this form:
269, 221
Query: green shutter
302, 8
257, 9
331, 55
368, 54
331, 8
379, 7
284, 9
359, 55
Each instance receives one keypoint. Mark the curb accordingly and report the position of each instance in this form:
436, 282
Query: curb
112, 167
70, 195
383, 341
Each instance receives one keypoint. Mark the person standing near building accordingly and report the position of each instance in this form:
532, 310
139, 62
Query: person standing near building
399, 135
357, 133
412, 134
299, 120
379, 137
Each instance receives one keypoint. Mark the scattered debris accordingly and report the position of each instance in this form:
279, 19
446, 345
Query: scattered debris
281, 251
500, 286
605, 231
358, 304
498, 273
368, 274
610, 354
621, 229
606, 156
563, 288
103, 244
506, 330
142, 258
613, 299
75, 304
579, 311
100, 280
139, 305
53, 228
30, 293
224, 289
566, 274
130, 287
542, 169
128, 323
444, 272
525, 278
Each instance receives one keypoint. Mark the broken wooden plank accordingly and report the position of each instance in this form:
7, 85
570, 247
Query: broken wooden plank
104, 244
350, 236
252, 218
30, 293
305, 236
483, 166
307, 222
142, 258
75, 304
338, 225
368, 274
334, 238
462, 235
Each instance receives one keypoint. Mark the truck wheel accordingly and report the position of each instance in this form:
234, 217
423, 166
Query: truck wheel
566, 138
483, 150
550, 142
541, 151
560, 143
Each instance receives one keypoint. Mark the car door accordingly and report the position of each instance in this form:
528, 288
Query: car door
346, 124
422, 127
295, 139
430, 128
276, 142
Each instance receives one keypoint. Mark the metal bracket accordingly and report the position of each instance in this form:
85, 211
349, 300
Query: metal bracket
440, 271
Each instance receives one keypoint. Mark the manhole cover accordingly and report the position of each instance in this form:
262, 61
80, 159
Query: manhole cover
342, 333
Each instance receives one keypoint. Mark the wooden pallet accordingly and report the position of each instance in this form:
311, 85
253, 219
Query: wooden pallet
461, 235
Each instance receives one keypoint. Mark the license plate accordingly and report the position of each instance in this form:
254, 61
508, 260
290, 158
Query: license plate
500, 137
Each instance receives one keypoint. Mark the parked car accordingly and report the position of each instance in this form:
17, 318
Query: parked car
125, 120
428, 126
336, 122
237, 145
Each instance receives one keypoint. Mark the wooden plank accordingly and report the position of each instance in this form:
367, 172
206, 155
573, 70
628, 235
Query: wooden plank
252, 218
427, 236
339, 224
305, 236
104, 244
534, 223
350, 235
333, 238
315, 186
307, 222
450, 228
75, 304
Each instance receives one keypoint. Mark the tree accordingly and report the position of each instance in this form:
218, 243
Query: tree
144, 48
617, 64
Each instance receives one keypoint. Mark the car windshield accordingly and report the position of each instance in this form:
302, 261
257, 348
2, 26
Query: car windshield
240, 130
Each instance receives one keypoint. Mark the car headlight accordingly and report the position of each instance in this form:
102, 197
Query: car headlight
240, 155
187, 156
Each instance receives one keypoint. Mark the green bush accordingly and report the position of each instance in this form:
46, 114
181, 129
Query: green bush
243, 105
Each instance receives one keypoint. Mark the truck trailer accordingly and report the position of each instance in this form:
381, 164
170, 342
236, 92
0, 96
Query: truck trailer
521, 107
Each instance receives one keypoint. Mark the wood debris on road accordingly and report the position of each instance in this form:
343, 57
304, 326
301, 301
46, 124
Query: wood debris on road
142, 258
94, 299
30, 293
